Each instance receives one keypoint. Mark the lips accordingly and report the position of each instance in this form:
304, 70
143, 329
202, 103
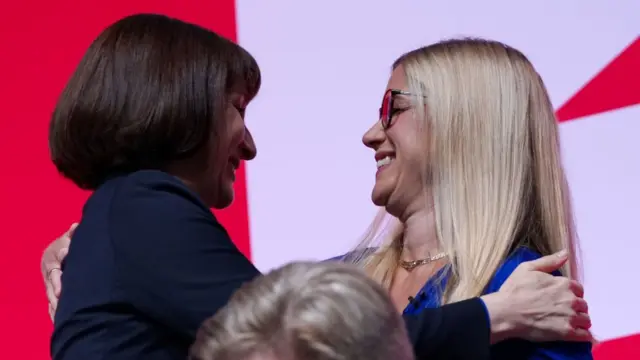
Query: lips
383, 154
384, 158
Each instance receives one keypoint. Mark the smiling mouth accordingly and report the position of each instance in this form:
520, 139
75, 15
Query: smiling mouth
384, 162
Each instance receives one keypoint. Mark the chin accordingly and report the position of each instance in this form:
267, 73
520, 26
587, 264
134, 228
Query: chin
225, 199
379, 198
221, 199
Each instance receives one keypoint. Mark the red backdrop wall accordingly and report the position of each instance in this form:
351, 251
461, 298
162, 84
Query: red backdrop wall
41, 42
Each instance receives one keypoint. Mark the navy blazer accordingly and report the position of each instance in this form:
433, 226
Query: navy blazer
149, 263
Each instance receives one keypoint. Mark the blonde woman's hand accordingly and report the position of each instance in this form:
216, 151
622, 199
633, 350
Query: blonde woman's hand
51, 267
534, 305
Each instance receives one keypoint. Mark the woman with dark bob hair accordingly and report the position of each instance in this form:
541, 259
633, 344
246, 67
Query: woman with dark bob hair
153, 122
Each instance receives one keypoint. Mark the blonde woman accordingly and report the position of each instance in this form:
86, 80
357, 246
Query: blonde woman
469, 167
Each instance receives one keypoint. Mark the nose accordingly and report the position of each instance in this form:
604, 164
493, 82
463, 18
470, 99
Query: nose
248, 149
374, 136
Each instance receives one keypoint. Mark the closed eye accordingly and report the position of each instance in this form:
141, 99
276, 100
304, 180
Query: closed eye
396, 111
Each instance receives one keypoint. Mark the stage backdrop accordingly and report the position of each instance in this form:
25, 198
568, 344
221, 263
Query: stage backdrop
325, 66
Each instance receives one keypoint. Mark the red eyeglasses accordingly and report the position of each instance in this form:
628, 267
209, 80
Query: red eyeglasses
387, 110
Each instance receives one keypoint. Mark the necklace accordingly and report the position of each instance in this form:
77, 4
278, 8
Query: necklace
410, 265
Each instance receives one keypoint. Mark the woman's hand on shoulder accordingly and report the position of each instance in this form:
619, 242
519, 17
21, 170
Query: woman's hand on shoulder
537, 306
51, 267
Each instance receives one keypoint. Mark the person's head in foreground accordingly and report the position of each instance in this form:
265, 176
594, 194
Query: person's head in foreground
469, 160
306, 311
153, 92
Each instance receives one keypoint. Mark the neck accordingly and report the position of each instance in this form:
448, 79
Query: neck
420, 239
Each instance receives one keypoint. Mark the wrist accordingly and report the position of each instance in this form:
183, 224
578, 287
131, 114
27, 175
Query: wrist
503, 318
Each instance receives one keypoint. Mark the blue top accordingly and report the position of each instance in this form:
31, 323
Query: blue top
429, 297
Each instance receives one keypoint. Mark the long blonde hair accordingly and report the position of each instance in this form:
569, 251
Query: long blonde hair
494, 164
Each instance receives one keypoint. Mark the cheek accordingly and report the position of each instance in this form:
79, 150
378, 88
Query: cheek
226, 140
412, 155
235, 130
407, 142
414, 161
237, 137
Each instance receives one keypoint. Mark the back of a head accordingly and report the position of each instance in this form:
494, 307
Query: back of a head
149, 90
306, 311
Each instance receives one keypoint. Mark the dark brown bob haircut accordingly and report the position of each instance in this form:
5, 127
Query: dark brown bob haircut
150, 90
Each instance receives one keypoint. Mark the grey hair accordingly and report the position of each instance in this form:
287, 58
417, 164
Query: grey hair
311, 311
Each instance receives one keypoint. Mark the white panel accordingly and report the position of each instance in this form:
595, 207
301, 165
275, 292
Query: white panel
325, 66
602, 158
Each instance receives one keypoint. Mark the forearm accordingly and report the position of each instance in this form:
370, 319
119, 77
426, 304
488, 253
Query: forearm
503, 320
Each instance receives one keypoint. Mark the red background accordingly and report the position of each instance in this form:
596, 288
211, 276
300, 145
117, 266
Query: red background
42, 42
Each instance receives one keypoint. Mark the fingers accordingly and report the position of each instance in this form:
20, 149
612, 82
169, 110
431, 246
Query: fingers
55, 253
51, 267
71, 230
55, 274
580, 305
60, 255
53, 302
55, 279
580, 335
52, 312
65, 240
54, 286
576, 288
549, 263
581, 321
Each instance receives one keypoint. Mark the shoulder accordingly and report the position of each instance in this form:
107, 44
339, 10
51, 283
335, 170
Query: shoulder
153, 206
520, 255
517, 257
156, 219
146, 183
155, 194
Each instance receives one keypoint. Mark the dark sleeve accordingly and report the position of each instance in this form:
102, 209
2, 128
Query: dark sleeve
455, 331
177, 264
